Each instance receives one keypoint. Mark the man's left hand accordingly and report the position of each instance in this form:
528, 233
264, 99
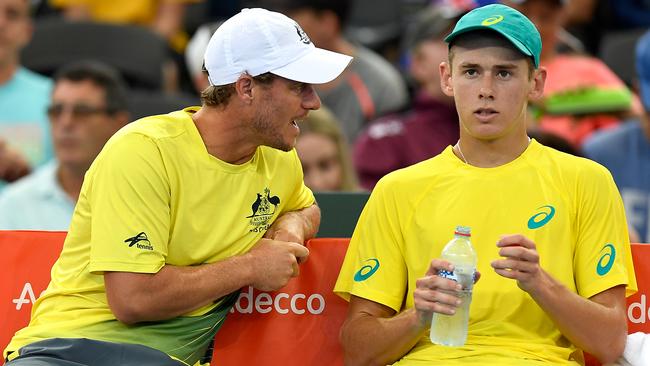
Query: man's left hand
520, 262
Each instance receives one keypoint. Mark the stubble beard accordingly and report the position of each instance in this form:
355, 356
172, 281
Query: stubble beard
269, 134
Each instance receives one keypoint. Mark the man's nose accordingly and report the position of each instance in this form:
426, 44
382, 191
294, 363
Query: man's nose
487, 89
311, 100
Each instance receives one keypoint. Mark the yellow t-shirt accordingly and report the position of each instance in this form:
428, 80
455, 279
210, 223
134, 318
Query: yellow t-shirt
154, 196
568, 206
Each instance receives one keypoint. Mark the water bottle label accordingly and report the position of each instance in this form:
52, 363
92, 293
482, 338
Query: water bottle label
465, 278
448, 275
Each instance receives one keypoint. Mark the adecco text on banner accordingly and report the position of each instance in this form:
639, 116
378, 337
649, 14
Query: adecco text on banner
283, 303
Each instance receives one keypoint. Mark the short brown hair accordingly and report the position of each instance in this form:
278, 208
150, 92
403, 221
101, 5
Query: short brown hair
215, 96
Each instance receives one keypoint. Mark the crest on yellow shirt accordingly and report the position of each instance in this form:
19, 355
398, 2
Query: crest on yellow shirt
263, 209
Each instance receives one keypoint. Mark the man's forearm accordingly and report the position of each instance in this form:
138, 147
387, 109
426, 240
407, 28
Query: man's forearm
173, 291
368, 340
299, 225
597, 325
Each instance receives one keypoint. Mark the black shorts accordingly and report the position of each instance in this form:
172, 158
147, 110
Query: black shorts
88, 352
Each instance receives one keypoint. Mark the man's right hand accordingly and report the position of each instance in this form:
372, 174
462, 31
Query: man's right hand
275, 262
435, 294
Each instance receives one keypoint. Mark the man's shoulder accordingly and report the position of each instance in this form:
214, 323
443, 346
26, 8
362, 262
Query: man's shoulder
28, 79
571, 167
159, 126
423, 172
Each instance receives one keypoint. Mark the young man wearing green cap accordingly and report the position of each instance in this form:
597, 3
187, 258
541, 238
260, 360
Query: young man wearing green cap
548, 228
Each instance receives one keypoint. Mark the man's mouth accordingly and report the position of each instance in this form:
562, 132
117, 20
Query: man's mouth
485, 114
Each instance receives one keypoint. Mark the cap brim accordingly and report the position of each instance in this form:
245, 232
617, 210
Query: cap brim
316, 67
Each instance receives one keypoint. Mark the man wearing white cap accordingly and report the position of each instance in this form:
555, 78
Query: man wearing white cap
180, 211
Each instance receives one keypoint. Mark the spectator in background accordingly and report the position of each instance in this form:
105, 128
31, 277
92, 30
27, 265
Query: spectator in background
399, 140
323, 152
369, 88
582, 94
88, 105
164, 17
24, 131
625, 151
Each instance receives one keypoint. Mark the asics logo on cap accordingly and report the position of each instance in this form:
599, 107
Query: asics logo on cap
304, 38
492, 20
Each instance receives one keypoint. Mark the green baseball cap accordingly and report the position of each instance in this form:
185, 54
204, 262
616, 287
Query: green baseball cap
508, 22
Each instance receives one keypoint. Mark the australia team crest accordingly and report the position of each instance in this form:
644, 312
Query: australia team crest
263, 209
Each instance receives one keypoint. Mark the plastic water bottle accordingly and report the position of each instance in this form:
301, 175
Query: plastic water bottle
451, 330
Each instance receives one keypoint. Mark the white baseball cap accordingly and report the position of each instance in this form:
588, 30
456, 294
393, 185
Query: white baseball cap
256, 41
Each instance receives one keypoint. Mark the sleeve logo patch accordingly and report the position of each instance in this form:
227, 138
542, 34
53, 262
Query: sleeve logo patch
366, 271
140, 241
606, 261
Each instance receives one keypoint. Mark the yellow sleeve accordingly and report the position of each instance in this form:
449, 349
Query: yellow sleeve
130, 207
374, 267
603, 256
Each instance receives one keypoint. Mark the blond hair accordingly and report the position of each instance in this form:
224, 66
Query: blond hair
323, 122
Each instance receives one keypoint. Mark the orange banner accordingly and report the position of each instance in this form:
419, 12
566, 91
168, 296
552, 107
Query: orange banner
27, 257
297, 325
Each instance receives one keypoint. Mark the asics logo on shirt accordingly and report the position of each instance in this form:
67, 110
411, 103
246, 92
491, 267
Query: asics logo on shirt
366, 271
606, 260
541, 218
140, 241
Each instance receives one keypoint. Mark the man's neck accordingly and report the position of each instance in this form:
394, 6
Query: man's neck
490, 153
223, 135
70, 180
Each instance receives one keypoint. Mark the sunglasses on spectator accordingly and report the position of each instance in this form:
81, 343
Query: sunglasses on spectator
77, 110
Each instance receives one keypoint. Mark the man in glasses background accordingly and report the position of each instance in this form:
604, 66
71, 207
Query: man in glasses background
88, 105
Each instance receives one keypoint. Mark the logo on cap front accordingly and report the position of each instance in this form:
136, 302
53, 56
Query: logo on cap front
492, 20
303, 36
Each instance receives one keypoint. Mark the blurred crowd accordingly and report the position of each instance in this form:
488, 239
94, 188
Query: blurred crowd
72, 72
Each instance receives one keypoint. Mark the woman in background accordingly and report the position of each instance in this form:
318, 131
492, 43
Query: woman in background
324, 154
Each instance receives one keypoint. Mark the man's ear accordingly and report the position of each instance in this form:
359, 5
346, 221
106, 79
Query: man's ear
537, 84
445, 79
244, 87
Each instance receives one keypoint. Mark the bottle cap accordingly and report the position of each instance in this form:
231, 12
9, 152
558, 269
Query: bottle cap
463, 231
